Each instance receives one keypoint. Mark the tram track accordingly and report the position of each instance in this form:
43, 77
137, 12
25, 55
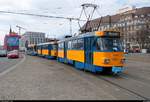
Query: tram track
101, 77
121, 87
126, 75
87, 76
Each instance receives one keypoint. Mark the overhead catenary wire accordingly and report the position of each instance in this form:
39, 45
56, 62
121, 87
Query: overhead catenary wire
46, 16
39, 15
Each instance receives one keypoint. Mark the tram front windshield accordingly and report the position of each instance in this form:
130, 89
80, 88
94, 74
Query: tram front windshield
109, 44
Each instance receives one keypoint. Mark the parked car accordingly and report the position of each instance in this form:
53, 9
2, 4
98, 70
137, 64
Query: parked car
3, 53
135, 49
13, 54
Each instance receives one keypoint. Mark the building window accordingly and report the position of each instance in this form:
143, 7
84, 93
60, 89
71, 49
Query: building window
145, 26
123, 29
140, 26
129, 28
142, 15
135, 22
135, 16
135, 27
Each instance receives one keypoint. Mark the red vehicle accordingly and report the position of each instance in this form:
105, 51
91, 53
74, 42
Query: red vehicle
11, 42
135, 49
13, 54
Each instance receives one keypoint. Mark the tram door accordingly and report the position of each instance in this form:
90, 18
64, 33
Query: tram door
41, 49
88, 51
49, 49
65, 51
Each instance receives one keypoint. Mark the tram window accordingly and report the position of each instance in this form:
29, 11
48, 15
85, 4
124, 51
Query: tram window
38, 47
61, 46
80, 44
98, 44
109, 44
69, 44
74, 44
54, 47
45, 46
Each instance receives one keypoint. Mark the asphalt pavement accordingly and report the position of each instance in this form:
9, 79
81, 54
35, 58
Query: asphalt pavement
6, 63
37, 78
139, 57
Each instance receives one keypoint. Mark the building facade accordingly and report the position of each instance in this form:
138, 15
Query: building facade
133, 23
51, 39
29, 38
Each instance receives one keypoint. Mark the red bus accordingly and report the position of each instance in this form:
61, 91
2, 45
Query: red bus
11, 42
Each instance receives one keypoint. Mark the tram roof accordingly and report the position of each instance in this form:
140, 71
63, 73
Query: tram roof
88, 34
31, 45
47, 43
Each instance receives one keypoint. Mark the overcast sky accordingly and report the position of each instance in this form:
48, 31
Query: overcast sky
54, 27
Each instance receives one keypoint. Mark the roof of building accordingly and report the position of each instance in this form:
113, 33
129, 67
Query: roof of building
114, 18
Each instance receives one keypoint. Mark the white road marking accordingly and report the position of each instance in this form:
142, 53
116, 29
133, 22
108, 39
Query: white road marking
13, 67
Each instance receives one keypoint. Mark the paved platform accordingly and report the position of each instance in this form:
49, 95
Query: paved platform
40, 79
6, 63
141, 57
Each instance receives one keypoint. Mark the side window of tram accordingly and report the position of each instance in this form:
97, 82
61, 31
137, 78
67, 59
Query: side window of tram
39, 48
54, 47
80, 44
61, 46
45, 46
74, 44
98, 44
69, 44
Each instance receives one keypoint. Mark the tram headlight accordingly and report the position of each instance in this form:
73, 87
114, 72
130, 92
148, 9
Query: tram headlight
106, 61
123, 61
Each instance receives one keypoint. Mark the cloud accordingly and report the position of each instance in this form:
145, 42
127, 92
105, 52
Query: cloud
139, 3
15, 4
65, 8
